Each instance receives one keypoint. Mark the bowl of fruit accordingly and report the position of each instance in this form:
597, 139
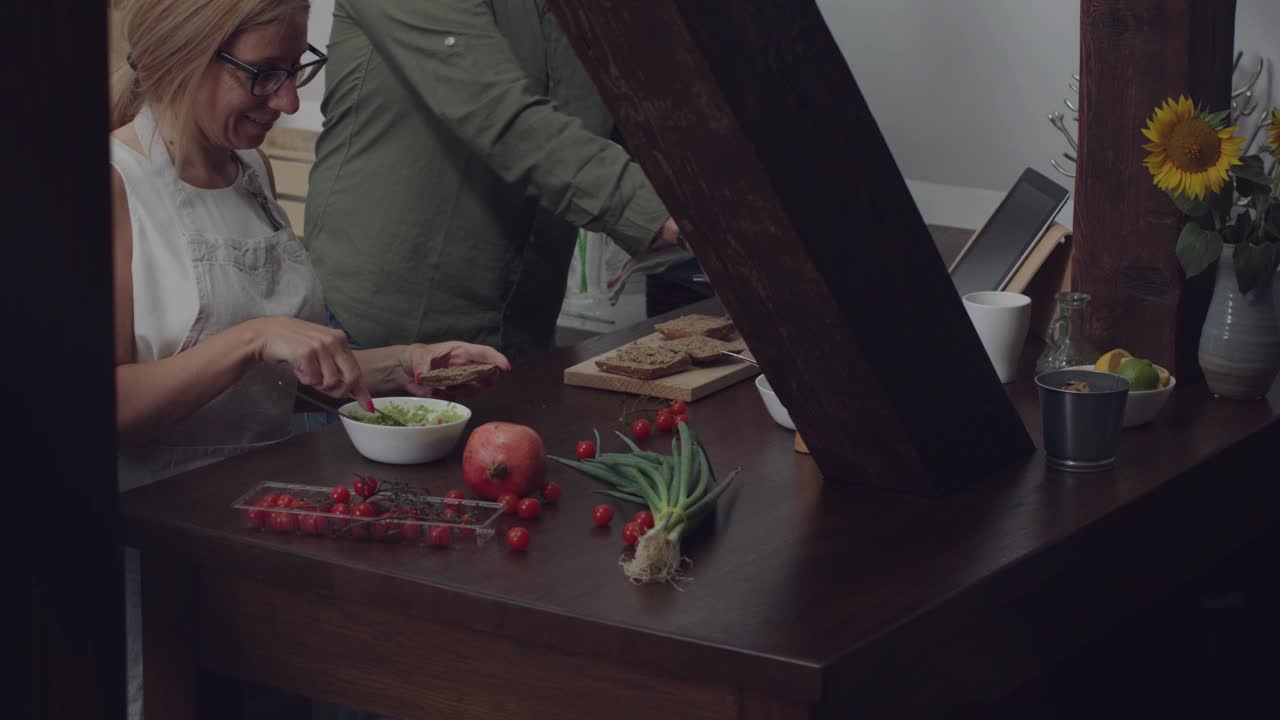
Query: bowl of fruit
405, 430
1149, 385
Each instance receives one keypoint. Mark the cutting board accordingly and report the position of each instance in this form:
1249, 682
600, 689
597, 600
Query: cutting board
689, 385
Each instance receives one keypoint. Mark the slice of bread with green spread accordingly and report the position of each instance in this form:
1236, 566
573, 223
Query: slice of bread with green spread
644, 361
704, 349
713, 326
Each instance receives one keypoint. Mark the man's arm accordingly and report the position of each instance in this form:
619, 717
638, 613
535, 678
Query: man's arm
453, 60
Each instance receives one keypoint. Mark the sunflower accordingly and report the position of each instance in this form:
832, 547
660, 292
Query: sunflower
1190, 151
1273, 135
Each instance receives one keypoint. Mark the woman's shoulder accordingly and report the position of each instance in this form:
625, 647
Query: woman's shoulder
127, 135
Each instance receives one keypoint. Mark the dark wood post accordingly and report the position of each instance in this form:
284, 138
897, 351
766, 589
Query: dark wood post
59, 366
1134, 54
748, 121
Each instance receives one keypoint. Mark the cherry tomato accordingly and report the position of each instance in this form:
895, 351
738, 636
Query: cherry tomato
529, 508
518, 539
509, 502
365, 486
585, 450
665, 422
455, 494
285, 501
378, 530
283, 522
641, 429
645, 518
449, 514
602, 515
255, 518
366, 509
268, 500
340, 509
682, 419
411, 531
313, 524
551, 492
439, 536
679, 407
665, 411
631, 533
340, 494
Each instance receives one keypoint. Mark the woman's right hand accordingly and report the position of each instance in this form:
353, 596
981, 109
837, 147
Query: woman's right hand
320, 356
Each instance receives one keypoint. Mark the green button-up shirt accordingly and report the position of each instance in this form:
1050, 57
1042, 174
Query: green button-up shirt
463, 143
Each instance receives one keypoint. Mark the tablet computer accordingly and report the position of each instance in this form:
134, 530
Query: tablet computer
995, 251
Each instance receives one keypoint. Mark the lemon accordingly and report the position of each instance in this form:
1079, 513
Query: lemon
1164, 375
1112, 360
1140, 373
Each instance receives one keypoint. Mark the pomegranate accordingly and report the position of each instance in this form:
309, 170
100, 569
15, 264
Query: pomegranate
502, 457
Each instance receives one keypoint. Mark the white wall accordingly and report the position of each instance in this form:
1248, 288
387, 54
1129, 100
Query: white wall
961, 88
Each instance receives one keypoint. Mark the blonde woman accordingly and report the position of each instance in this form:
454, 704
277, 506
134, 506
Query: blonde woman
218, 313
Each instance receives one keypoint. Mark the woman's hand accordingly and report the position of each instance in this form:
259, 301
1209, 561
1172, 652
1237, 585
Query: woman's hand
320, 356
417, 359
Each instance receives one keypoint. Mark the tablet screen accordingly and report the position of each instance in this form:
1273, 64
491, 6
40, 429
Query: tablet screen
1009, 234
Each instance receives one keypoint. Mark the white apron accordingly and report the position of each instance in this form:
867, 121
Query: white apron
205, 261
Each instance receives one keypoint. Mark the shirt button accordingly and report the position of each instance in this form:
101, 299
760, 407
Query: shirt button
450, 41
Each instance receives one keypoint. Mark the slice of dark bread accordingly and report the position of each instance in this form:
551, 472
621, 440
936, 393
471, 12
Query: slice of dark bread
704, 349
644, 361
713, 326
456, 375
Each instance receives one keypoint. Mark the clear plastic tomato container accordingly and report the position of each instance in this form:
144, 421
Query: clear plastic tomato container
403, 516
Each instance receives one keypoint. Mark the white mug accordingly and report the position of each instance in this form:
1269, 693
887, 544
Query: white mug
1001, 319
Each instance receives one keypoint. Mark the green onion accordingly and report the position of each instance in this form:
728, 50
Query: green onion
679, 490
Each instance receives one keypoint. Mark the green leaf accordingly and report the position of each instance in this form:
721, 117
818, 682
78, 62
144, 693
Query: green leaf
1251, 169
1191, 208
1197, 248
1217, 119
1253, 262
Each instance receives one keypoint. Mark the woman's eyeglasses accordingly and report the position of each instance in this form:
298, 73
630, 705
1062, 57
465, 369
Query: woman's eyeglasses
270, 79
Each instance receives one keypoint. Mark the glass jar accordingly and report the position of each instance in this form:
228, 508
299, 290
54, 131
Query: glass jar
1066, 345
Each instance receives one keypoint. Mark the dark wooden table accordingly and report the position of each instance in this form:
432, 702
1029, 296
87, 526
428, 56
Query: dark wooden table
813, 597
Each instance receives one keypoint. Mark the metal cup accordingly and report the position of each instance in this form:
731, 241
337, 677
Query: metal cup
1082, 429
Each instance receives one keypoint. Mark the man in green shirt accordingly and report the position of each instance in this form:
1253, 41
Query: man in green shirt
463, 144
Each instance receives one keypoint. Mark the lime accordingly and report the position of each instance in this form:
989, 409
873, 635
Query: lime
1140, 374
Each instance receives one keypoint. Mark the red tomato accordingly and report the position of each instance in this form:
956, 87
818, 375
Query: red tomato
585, 450
268, 500
411, 531
440, 536
365, 486
645, 518
509, 502
449, 514
283, 522
602, 515
664, 411
529, 508
679, 407
340, 494
285, 501
313, 524
456, 494
631, 532
340, 509
255, 518
518, 539
665, 422
366, 509
378, 530
360, 532
682, 419
641, 429
551, 492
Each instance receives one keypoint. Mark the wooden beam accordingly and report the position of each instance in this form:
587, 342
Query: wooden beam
749, 123
1133, 55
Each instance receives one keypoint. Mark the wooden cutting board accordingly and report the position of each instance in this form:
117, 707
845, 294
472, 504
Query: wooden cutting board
689, 385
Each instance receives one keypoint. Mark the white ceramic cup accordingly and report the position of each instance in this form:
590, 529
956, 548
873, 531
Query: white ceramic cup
1001, 319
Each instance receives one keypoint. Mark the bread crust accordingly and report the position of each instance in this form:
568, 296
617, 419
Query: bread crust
719, 327
456, 375
644, 361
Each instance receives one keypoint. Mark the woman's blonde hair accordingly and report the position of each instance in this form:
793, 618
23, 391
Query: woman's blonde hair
171, 42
